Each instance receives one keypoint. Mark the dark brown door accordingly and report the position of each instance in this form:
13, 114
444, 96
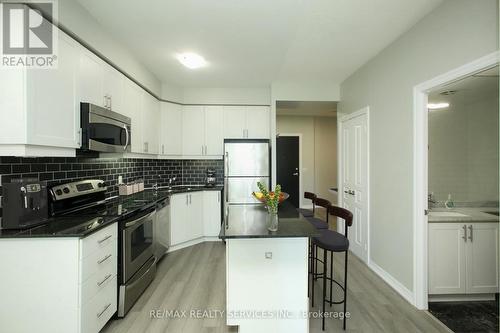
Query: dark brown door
287, 163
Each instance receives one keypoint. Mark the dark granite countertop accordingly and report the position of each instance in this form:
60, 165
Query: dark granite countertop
250, 221
89, 222
74, 226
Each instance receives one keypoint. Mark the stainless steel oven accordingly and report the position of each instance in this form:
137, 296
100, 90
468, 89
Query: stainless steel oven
137, 261
104, 130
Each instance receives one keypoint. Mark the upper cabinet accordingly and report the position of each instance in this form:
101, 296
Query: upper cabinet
193, 130
132, 104
150, 123
247, 122
99, 83
39, 111
113, 88
202, 131
170, 129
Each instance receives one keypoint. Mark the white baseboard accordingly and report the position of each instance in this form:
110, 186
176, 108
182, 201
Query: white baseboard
393, 282
462, 298
193, 242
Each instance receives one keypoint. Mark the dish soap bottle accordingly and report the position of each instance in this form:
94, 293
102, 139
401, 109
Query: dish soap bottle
449, 203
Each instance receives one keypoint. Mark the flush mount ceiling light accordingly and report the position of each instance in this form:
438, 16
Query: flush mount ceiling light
191, 60
437, 106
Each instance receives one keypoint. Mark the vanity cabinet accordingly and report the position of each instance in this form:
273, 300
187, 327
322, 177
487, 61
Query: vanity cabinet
463, 258
194, 216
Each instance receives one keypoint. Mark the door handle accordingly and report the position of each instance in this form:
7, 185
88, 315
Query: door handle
127, 137
464, 237
470, 232
295, 173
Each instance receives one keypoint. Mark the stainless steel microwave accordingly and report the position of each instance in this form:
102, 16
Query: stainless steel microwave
104, 130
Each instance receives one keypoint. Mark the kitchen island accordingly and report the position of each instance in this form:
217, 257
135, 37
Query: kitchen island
266, 272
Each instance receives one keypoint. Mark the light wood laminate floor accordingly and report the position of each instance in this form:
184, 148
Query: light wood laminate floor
194, 278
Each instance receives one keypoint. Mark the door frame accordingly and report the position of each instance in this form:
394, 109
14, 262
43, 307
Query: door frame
365, 111
300, 162
420, 168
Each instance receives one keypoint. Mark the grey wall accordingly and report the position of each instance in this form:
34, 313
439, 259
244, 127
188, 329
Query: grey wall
463, 151
455, 33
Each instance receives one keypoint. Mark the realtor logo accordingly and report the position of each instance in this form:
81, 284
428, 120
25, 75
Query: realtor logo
28, 39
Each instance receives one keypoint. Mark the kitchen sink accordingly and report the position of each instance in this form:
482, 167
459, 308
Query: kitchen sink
446, 214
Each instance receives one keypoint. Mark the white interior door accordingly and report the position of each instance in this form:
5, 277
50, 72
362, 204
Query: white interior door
354, 185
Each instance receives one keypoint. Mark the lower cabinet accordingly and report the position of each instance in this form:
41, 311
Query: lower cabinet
194, 215
63, 284
463, 258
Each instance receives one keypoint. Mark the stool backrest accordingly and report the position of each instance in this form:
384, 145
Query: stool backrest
343, 213
323, 203
311, 196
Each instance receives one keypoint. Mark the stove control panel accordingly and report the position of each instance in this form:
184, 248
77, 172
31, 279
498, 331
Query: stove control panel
75, 189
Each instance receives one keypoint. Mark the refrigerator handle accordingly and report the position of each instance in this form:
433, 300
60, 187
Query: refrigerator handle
227, 163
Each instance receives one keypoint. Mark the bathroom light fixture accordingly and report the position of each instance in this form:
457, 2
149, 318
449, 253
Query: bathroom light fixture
437, 106
191, 60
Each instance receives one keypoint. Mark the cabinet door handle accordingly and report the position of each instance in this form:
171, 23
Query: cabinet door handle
104, 259
105, 279
105, 101
190, 199
104, 310
470, 232
465, 233
163, 149
187, 199
110, 102
104, 239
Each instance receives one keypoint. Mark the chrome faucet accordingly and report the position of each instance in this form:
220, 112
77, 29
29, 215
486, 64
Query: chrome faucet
431, 200
170, 181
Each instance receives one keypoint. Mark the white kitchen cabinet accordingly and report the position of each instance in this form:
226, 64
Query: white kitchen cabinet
90, 79
113, 88
481, 257
179, 219
193, 130
170, 129
132, 103
66, 284
39, 109
258, 122
234, 122
194, 215
150, 123
211, 213
214, 131
252, 122
461, 261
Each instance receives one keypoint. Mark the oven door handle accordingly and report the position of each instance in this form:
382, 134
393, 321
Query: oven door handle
127, 137
142, 218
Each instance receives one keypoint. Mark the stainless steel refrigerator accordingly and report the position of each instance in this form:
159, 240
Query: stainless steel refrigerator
246, 162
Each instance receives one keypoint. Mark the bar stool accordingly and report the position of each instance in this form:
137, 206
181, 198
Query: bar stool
332, 241
307, 212
319, 224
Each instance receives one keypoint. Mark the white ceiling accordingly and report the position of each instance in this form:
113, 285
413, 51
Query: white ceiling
306, 108
252, 43
470, 89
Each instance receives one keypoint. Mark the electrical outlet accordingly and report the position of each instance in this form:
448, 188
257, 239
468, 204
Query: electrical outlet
269, 255
120, 179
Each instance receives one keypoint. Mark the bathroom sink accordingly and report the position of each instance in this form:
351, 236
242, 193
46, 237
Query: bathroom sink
446, 214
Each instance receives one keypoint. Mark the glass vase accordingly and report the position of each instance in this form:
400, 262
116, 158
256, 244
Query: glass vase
272, 224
